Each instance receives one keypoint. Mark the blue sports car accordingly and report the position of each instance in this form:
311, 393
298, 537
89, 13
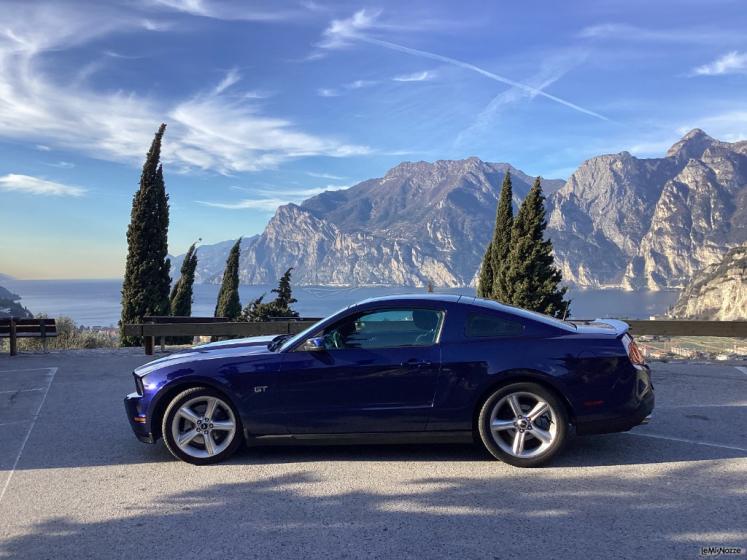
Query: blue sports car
405, 369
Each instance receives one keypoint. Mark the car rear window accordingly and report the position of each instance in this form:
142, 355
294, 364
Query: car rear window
491, 326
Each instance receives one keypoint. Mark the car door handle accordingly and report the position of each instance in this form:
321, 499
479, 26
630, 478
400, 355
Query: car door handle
416, 364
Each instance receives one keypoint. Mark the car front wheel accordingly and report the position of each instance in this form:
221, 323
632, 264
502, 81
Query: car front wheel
523, 424
201, 427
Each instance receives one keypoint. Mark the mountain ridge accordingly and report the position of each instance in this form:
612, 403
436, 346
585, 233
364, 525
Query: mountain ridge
619, 221
419, 223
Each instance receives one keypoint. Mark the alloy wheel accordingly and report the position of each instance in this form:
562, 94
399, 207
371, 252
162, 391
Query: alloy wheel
203, 427
523, 425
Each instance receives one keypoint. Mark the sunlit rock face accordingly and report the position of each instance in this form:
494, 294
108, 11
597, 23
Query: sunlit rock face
718, 292
420, 223
619, 221
651, 223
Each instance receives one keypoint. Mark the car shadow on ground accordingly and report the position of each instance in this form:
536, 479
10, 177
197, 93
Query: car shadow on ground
586, 451
408, 514
580, 452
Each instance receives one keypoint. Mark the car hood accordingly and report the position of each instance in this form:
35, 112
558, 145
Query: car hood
243, 346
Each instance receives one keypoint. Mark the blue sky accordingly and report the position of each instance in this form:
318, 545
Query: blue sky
271, 102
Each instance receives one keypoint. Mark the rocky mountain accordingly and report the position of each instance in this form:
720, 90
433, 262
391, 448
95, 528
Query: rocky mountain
718, 293
421, 222
651, 223
619, 221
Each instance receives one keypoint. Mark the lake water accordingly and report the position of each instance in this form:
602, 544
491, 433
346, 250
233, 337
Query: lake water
97, 302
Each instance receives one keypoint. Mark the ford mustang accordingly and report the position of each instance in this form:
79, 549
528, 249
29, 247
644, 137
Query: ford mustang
415, 368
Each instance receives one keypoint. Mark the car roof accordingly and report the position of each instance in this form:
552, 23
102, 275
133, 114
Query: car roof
412, 298
467, 300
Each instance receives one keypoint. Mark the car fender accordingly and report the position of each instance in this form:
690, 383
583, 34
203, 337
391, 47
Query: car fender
161, 399
519, 375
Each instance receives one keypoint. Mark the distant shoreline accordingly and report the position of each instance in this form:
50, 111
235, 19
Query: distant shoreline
344, 286
96, 302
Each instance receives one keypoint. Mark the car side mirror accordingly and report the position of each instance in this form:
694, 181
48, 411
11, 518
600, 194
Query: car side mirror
313, 344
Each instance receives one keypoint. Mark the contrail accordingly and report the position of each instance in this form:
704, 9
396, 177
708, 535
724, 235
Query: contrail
473, 68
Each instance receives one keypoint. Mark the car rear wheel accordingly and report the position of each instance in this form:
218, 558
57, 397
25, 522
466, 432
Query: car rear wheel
201, 427
523, 424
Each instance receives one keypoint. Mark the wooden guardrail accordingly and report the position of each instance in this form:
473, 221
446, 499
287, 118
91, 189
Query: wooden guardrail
729, 329
151, 331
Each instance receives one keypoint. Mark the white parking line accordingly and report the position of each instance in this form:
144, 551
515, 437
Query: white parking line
731, 405
14, 422
684, 440
52, 372
742, 369
28, 369
22, 390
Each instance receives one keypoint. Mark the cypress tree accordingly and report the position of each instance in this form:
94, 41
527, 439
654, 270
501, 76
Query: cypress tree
228, 304
279, 307
255, 311
181, 294
145, 290
531, 270
485, 281
501, 245
284, 298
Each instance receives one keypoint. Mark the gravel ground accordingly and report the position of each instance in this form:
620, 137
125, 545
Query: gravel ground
75, 483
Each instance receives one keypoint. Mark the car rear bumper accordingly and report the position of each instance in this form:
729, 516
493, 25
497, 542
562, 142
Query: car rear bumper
624, 417
620, 422
137, 419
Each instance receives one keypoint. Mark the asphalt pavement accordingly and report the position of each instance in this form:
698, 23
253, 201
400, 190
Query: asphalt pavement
75, 483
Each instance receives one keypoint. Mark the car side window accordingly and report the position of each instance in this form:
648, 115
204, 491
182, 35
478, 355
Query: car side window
491, 326
390, 328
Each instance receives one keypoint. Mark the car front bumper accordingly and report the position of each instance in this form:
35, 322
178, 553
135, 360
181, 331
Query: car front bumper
137, 418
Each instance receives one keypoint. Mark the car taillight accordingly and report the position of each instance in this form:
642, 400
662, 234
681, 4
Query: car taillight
634, 353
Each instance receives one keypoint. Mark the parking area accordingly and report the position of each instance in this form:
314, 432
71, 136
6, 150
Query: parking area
75, 483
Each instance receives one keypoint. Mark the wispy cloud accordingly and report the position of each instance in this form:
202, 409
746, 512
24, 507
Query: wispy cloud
217, 9
732, 62
328, 92
325, 176
423, 76
345, 88
625, 32
61, 164
342, 33
35, 185
268, 200
208, 129
358, 84
114, 54
231, 77
265, 205
552, 69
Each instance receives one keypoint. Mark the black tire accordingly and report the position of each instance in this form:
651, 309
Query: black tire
559, 433
168, 436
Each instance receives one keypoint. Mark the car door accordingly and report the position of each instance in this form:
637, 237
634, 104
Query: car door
376, 372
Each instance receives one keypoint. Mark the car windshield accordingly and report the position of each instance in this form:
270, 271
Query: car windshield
290, 342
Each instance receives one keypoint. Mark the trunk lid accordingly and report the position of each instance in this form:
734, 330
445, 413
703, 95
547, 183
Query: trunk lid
612, 327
